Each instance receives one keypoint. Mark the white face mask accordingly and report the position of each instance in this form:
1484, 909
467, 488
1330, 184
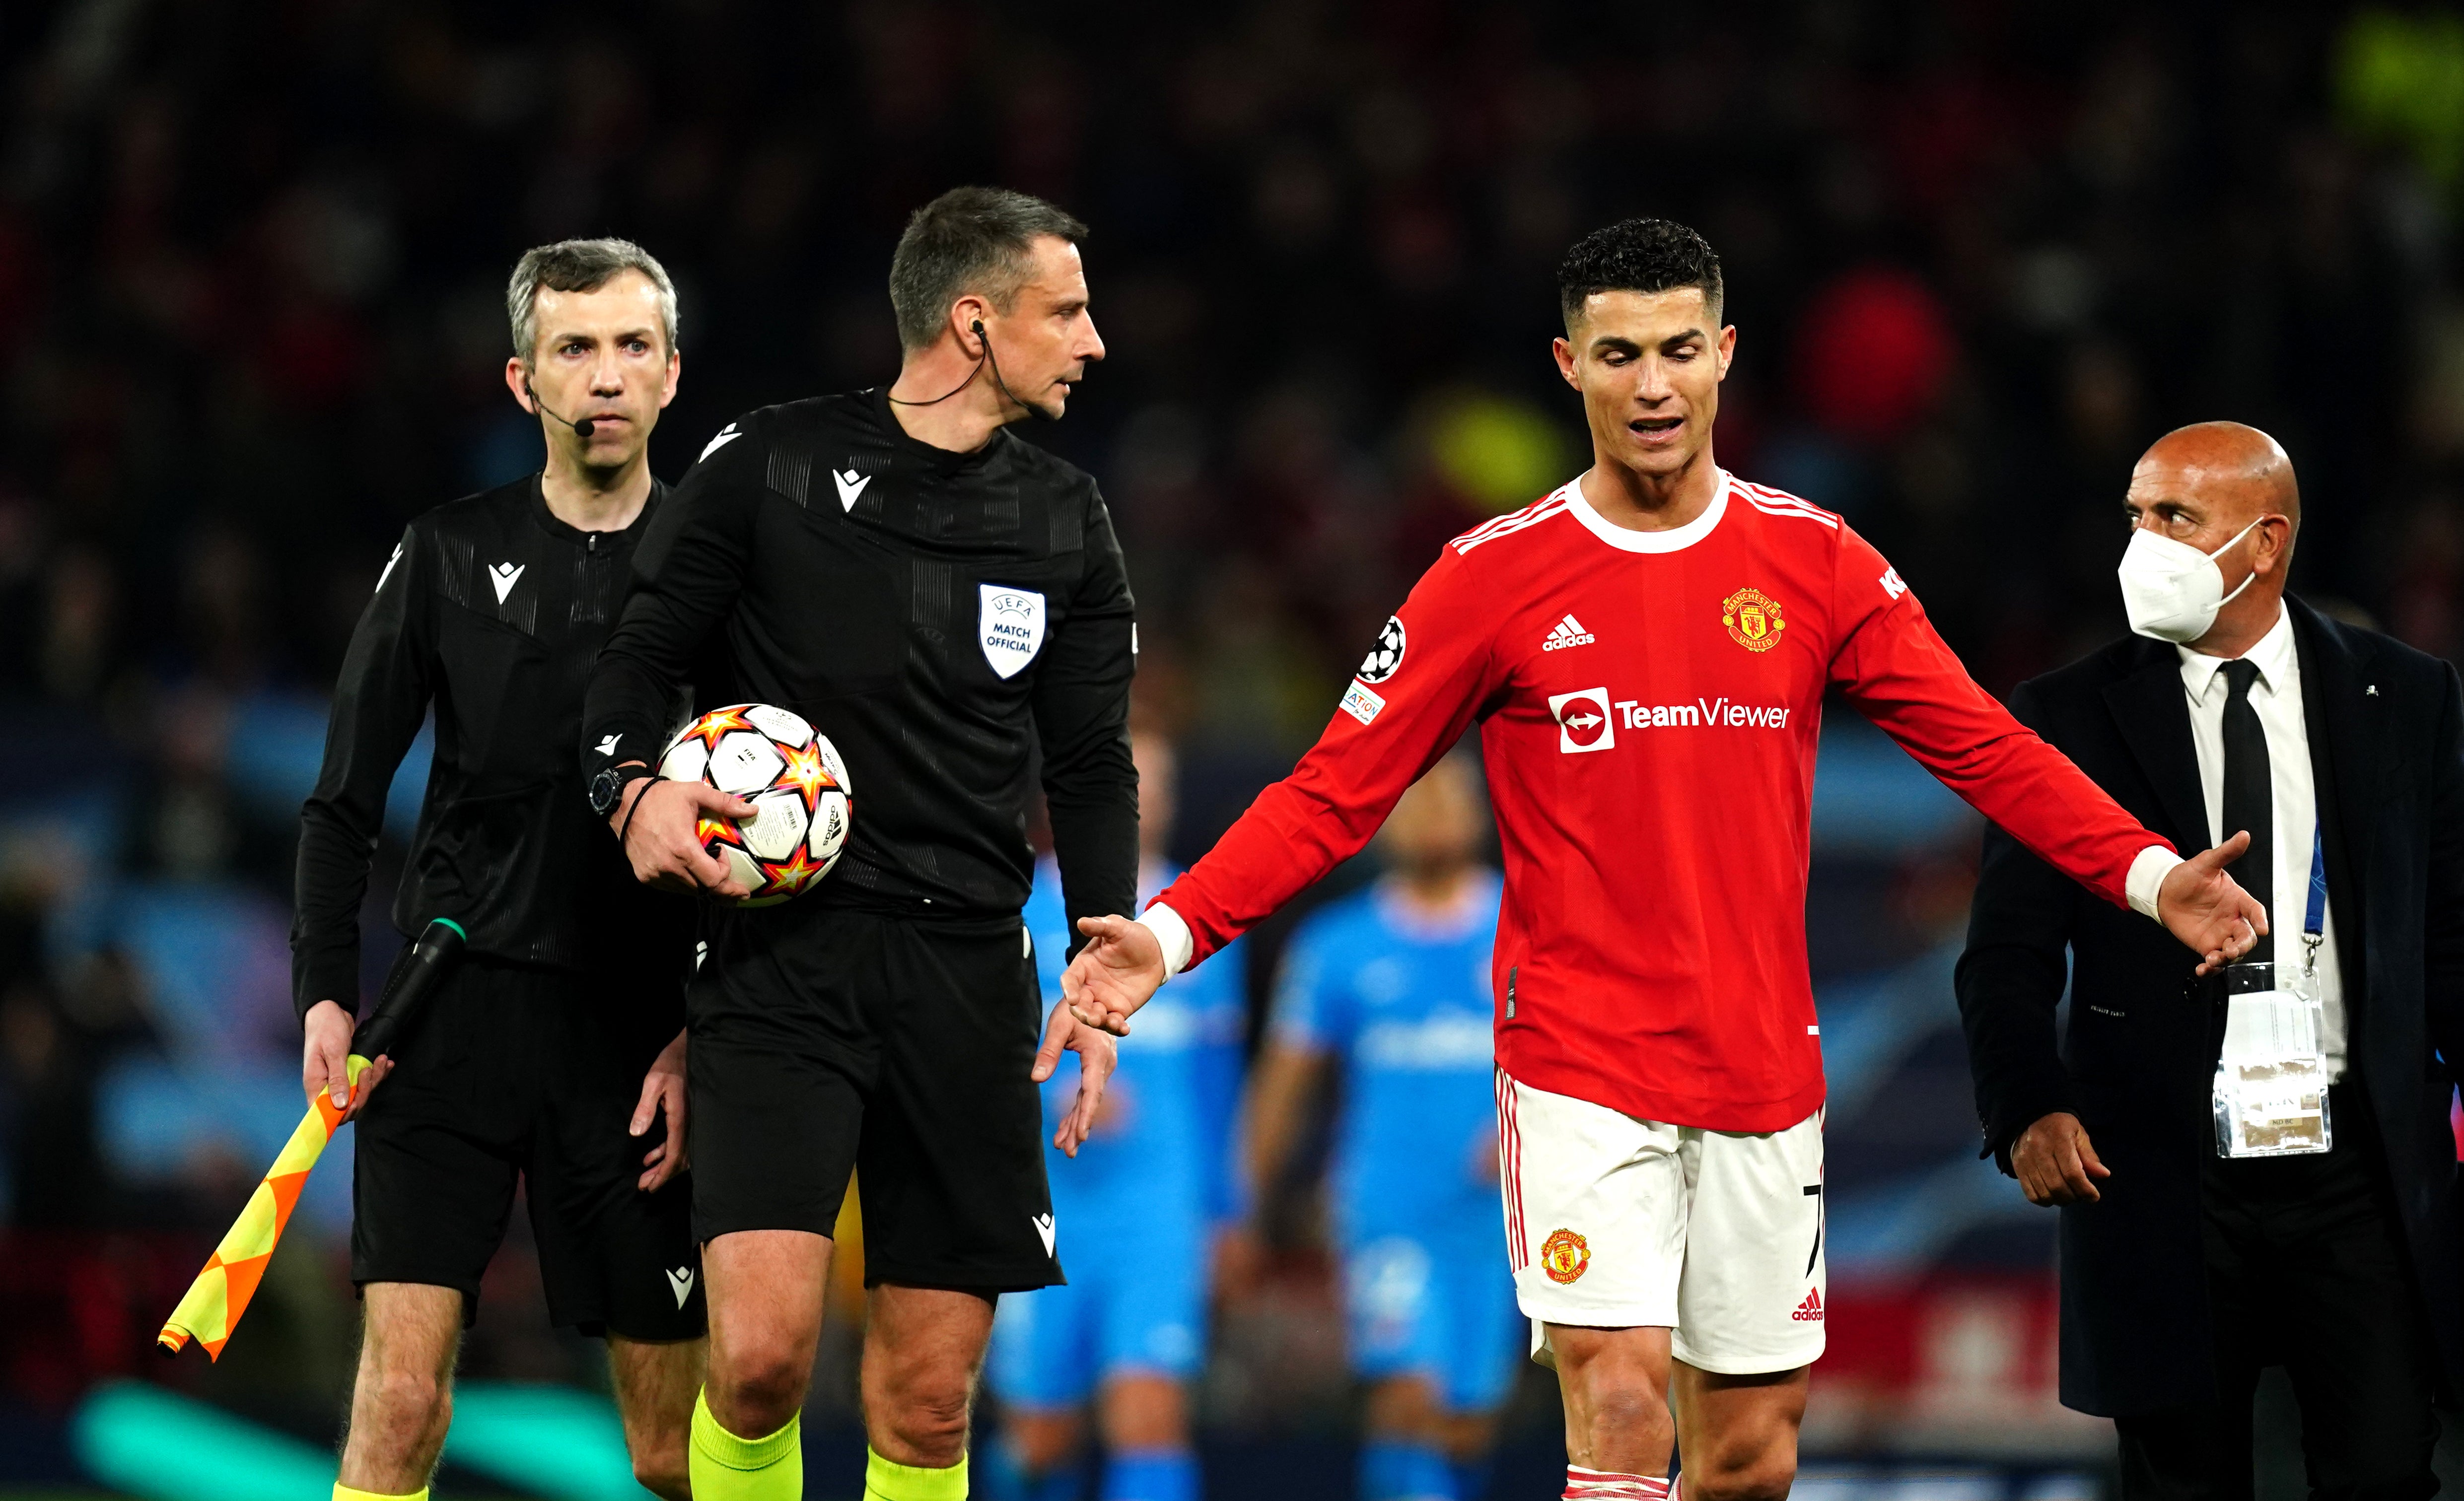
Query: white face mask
2172, 590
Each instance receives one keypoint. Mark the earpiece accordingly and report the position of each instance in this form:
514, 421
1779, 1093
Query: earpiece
983, 359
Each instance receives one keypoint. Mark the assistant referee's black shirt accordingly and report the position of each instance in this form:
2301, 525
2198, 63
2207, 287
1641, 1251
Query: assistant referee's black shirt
938, 616
492, 610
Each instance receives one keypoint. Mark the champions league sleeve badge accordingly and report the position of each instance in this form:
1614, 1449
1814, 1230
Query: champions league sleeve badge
1386, 656
1009, 625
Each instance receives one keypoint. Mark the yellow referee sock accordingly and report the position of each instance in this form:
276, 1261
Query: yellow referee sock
726, 1468
885, 1481
343, 1492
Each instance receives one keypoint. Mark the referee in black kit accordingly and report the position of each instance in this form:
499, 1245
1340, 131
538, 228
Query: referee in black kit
554, 1048
942, 600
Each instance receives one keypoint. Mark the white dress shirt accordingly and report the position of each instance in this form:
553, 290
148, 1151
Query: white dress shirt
2276, 695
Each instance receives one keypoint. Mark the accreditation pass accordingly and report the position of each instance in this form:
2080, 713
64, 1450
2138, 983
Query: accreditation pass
2271, 1093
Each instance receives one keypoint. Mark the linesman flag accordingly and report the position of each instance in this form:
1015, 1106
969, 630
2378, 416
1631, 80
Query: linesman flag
221, 1293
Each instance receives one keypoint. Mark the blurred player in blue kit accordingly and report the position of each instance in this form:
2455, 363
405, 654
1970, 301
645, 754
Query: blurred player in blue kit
1135, 1213
1390, 988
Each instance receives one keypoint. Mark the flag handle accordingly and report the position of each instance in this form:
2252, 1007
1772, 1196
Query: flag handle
215, 1300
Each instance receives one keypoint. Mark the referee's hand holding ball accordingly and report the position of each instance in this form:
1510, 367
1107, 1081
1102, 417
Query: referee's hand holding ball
656, 820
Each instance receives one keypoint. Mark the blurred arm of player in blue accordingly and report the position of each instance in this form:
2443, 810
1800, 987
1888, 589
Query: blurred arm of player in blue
1135, 1215
1392, 988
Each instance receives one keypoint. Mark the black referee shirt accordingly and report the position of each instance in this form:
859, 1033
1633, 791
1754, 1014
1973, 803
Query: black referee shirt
492, 610
938, 616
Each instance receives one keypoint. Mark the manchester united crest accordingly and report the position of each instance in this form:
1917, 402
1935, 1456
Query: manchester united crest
1565, 1255
1752, 619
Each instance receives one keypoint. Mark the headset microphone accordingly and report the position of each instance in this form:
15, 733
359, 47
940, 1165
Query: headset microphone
580, 430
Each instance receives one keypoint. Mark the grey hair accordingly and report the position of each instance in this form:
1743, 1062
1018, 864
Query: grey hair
579, 266
968, 239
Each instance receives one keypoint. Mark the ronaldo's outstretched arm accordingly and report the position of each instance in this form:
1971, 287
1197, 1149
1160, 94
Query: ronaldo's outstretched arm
1899, 672
1434, 668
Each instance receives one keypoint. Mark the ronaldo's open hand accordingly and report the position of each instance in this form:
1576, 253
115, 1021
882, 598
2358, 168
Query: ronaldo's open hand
1097, 1056
2202, 907
657, 821
325, 1059
663, 1088
1112, 976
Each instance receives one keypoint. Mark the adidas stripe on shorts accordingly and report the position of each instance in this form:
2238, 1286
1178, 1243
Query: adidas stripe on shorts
1614, 1222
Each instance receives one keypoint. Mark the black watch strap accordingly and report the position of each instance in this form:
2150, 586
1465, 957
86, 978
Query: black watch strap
607, 788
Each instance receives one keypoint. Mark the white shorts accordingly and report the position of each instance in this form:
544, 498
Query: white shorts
1614, 1223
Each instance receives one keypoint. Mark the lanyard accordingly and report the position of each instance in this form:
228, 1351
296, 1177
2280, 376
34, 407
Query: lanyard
2314, 925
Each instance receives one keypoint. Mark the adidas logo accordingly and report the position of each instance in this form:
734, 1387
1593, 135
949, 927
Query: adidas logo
1568, 632
1810, 1312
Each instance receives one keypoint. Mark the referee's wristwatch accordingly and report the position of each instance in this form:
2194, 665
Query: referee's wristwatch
607, 788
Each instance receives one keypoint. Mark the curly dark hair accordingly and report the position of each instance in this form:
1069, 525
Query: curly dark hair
1637, 255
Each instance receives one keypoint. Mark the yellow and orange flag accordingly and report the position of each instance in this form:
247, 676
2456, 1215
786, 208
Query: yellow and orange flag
220, 1295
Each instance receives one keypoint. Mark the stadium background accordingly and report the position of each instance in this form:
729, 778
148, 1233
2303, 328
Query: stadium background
1979, 253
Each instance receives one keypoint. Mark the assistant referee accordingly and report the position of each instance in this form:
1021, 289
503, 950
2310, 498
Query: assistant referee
944, 601
556, 1044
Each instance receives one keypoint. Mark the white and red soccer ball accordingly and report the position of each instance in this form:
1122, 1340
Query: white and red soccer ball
793, 777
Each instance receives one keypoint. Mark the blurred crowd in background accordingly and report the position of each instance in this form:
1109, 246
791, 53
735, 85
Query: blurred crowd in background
1979, 255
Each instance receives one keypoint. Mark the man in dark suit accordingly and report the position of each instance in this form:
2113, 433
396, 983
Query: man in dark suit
2185, 1271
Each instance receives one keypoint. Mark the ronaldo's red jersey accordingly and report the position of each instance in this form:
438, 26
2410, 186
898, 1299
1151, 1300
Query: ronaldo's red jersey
1649, 704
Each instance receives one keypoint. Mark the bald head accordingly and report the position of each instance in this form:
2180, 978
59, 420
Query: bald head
2238, 472
2228, 491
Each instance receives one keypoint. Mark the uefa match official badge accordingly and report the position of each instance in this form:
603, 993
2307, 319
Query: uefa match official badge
1565, 1255
1752, 619
1009, 626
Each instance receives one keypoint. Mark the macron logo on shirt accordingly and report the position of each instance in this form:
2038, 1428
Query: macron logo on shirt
1568, 632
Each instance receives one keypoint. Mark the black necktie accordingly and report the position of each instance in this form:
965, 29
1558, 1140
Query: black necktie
2249, 797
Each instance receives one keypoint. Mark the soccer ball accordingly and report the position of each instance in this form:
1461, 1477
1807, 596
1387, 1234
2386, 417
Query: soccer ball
793, 777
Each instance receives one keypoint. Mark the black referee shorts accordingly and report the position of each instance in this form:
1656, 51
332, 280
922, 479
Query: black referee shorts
533, 1073
825, 1040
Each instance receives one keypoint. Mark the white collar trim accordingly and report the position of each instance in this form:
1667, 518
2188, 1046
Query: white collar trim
1625, 539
